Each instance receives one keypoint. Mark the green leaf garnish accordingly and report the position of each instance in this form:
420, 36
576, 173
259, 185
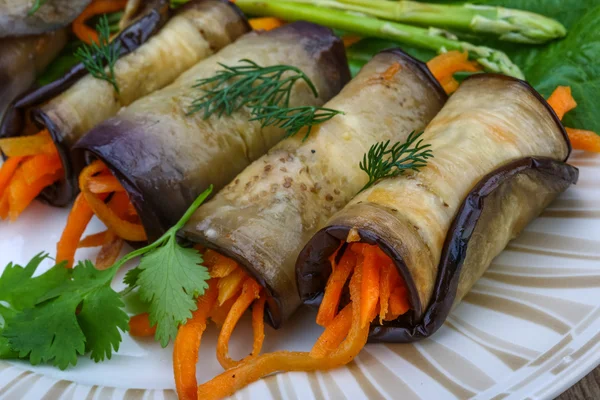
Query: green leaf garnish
36, 6
95, 56
295, 118
384, 162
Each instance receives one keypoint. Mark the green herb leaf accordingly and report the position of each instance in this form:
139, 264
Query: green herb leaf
384, 162
36, 6
247, 84
95, 56
295, 118
54, 331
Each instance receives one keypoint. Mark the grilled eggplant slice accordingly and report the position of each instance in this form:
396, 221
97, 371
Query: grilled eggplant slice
499, 153
22, 59
16, 18
266, 215
165, 158
194, 33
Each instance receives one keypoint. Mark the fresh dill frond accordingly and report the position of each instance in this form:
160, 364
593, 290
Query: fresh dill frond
383, 162
36, 6
247, 84
295, 118
96, 55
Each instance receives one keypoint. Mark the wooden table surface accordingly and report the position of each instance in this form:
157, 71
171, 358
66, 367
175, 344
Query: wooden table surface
586, 389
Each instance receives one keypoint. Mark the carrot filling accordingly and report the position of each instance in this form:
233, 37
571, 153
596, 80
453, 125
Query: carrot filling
33, 164
103, 196
445, 65
376, 291
230, 294
82, 30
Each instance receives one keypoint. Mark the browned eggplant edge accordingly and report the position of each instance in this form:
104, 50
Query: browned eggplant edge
313, 267
538, 96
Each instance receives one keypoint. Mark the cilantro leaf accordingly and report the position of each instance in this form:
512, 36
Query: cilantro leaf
54, 331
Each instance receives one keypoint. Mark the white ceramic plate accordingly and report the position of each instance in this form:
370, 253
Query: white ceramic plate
529, 329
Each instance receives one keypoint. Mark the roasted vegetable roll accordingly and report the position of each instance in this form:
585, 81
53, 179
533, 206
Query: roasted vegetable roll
196, 31
164, 157
265, 216
19, 17
498, 161
22, 59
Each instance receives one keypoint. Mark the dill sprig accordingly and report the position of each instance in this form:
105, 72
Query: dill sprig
248, 84
95, 56
383, 162
36, 6
295, 118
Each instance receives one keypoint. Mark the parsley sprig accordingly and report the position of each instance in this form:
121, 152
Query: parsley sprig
98, 57
64, 313
383, 161
295, 118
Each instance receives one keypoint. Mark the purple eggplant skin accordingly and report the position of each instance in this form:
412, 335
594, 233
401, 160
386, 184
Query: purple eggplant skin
16, 18
482, 209
22, 59
499, 160
165, 158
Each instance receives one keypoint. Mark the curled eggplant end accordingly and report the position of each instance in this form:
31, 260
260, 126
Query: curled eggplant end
531, 182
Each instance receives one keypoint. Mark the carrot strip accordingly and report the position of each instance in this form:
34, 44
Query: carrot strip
333, 289
95, 240
218, 265
231, 285
220, 311
78, 220
399, 303
104, 184
9, 167
370, 286
38, 166
253, 369
349, 40
385, 289
21, 194
139, 326
84, 32
187, 345
4, 206
450, 85
250, 292
110, 251
584, 140
447, 64
562, 101
389, 73
334, 334
39, 143
258, 324
265, 23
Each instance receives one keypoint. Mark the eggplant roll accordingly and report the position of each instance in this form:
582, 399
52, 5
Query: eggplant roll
22, 59
165, 158
499, 154
16, 18
197, 31
265, 216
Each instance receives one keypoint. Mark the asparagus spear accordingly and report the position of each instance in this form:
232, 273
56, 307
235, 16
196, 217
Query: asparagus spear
432, 38
508, 24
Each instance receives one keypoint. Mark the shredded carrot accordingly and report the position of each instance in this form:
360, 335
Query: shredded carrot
584, 140
253, 369
78, 220
187, 345
94, 240
445, 65
398, 303
139, 326
124, 229
389, 73
218, 265
110, 251
349, 40
104, 184
231, 284
220, 311
97, 7
562, 101
370, 286
22, 193
32, 145
4, 206
385, 285
265, 23
9, 167
250, 292
333, 289
258, 324
334, 334
35, 167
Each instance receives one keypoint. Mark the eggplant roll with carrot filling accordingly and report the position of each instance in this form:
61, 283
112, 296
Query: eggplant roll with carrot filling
165, 157
423, 239
265, 216
195, 32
